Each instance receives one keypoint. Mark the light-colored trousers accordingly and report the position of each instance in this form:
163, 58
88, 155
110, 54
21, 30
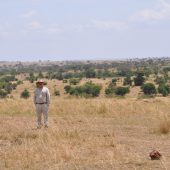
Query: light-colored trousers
42, 109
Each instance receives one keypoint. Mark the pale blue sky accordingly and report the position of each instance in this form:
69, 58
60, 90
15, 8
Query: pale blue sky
84, 29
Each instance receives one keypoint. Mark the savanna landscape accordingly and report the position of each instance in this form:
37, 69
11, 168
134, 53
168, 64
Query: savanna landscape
103, 115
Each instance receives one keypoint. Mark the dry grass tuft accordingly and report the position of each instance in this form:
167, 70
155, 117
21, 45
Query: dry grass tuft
164, 127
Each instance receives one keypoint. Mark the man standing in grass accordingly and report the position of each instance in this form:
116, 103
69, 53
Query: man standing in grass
42, 102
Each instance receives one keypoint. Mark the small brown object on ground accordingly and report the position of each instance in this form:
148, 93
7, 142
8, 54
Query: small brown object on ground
155, 155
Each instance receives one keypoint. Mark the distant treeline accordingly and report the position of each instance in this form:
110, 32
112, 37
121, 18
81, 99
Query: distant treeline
82, 69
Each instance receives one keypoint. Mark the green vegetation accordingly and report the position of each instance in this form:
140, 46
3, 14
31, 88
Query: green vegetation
3, 93
139, 79
7, 84
89, 89
121, 91
113, 90
74, 81
149, 89
56, 92
134, 72
127, 81
25, 94
164, 89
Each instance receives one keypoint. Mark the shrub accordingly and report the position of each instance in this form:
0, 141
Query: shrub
8, 87
74, 81
139, 79
149, 89
3, 93
57, 93
160, 80
110, 89
19, 82
67, 88
121, 91
87, 90
14, 86
164, 89
90, 73
25, 94
8, 78
65, 81
114, 80
127, 81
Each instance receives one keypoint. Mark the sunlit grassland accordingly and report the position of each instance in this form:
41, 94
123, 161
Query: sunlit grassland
100, 133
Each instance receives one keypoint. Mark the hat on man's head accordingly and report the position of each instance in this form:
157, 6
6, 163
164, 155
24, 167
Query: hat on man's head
40, 81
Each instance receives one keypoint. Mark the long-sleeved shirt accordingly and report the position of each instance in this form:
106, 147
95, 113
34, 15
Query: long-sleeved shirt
42, 95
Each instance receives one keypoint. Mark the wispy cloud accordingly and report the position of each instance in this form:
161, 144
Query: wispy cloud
34, 25
109, 25
102, 25
29, 14
160, 11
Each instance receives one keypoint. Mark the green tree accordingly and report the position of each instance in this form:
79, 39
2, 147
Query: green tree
149, 89
139, 79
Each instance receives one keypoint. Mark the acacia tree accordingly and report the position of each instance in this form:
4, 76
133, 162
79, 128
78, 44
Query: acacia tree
139, 79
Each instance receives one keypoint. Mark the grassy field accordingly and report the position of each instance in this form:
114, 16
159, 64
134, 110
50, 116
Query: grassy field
86, 134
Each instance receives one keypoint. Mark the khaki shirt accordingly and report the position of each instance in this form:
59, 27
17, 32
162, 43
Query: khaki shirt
42, 95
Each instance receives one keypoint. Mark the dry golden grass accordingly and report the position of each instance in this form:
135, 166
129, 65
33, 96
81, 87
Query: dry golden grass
101, 133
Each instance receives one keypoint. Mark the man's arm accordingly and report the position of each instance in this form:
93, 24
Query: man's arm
48, 97
34, 99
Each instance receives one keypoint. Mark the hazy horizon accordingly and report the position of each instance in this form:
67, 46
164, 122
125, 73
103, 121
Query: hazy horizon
61, 30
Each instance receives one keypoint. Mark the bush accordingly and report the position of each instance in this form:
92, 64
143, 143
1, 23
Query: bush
160, 80
114, 80
31, 78
149, 89
164, 89
90, 73
25, 94
139, 79
87, 90
121, 91
110, 89
127, 81
3, 93
74, 81
67, 88
65, 81
57, 93
8, 87
19, 82
8, 78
